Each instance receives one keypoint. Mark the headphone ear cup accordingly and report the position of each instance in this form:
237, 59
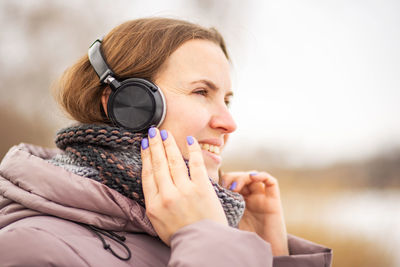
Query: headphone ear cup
136, 105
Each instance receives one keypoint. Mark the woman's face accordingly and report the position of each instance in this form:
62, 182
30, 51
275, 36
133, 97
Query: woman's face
196, 83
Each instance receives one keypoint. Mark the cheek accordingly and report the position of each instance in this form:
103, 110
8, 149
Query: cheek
183, 119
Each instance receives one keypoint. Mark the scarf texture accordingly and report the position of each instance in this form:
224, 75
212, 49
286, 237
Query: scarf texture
111, 156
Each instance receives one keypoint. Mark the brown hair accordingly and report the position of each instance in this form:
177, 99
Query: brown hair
136, 48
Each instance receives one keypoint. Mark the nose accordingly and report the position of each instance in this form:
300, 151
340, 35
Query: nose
223, 120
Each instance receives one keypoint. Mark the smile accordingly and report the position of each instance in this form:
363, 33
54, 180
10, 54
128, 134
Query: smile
210, 148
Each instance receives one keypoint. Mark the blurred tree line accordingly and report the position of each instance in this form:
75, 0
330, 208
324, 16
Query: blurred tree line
379, 171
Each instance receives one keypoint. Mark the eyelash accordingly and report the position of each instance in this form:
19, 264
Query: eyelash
204, 92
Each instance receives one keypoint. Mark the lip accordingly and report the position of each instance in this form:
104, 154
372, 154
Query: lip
212, 141
216, 158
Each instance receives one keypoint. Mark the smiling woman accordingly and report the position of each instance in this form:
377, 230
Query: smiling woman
139, 174
196, 84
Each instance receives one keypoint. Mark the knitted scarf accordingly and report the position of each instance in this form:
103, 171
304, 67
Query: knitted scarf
111, 156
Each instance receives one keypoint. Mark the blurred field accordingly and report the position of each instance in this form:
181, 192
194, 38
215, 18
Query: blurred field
361, 230
348, 250
351, 207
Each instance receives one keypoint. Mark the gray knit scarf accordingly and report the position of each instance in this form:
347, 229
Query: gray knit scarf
111, 156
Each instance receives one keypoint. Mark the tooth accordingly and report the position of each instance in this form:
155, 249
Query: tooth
206, 146
216, 150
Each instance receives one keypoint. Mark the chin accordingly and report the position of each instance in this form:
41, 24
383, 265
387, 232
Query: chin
212, 168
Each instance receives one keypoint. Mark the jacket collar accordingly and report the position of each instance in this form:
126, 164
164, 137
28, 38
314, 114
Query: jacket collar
28, 179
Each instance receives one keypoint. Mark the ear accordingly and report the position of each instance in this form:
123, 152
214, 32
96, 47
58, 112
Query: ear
104, 98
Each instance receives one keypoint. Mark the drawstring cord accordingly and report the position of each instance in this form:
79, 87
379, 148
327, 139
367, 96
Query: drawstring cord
117, 238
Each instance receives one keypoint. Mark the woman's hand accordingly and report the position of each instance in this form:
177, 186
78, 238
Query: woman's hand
172, 199
263, 214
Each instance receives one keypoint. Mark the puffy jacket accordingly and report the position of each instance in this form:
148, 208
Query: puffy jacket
51, 217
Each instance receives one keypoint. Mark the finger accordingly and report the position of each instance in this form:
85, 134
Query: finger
265, 183
245, 191
257, 187
242, 180
177, 166
148, 184
248, 182
228, 178
237, 180
197, 168
265, 177
159, 162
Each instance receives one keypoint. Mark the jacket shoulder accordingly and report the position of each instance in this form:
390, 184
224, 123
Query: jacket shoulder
207, 243
304, 253
31, 246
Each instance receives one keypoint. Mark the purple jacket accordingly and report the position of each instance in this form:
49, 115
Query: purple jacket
41, 206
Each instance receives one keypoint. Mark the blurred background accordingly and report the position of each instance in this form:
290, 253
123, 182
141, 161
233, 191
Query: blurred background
317, 93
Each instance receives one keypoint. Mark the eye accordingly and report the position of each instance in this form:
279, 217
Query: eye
228, 101
202, 92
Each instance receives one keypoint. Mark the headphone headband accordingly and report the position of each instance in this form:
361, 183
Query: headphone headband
97, 60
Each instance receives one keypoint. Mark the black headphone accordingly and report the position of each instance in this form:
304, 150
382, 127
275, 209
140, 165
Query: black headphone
135, 104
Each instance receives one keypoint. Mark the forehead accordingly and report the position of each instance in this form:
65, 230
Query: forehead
198, 60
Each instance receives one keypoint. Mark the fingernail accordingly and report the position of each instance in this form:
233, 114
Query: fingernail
253, 173
152, 132
189, 140
164, 135
145, 143
233, 186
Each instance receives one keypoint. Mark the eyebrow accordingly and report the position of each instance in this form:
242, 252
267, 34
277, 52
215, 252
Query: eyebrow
211, 85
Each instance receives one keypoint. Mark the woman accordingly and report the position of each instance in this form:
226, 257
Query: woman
121, 192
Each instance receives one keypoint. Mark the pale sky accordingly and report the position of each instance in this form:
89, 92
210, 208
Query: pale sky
324, 78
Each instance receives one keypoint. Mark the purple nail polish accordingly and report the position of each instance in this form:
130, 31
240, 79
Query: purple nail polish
152, 132
233, 186
164, 135
189, 140
145, 143
253, 173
